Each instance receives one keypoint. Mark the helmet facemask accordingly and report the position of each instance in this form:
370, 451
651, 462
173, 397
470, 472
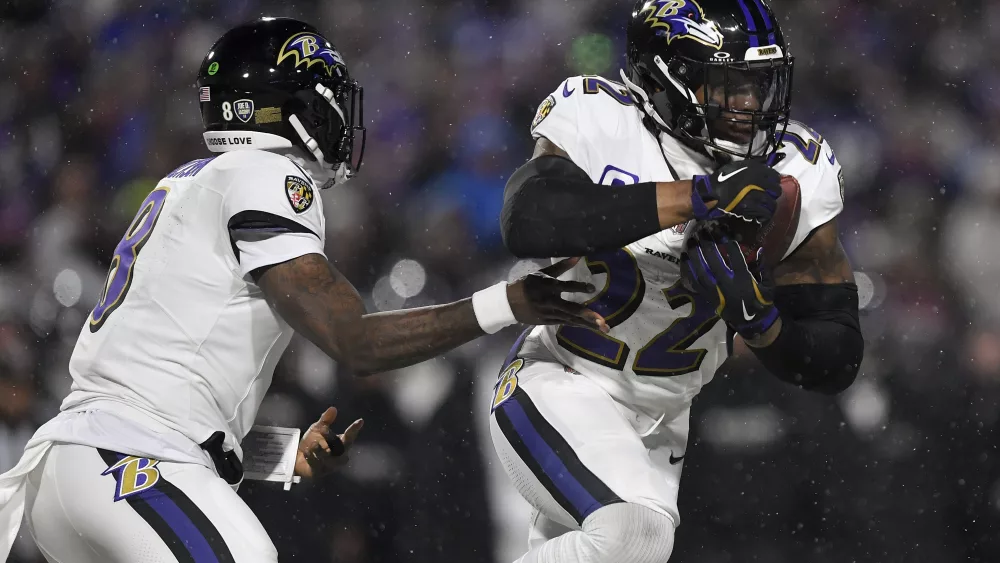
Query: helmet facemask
329, 121
727, 108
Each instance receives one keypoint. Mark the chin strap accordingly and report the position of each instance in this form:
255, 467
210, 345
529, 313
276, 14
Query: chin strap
645, 105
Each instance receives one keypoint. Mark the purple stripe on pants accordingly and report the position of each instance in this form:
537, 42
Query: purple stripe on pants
194, 541
546, 457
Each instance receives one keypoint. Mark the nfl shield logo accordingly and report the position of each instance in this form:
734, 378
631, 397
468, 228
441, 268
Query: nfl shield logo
299, 192
243, 109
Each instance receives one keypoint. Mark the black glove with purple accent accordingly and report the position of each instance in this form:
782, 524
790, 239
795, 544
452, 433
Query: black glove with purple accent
747, 188
716, 269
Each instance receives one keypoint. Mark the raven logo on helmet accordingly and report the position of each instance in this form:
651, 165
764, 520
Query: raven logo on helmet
310, 49
683, 19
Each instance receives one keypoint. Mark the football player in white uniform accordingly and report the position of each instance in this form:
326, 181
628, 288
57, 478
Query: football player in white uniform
222, 263
592, 427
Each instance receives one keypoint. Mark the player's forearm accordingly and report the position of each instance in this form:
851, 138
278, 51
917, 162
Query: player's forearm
320, 304
396, 339
673, 203
552, 208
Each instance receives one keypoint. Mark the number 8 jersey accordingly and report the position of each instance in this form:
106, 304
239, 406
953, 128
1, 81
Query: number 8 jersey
665, 342
182, 342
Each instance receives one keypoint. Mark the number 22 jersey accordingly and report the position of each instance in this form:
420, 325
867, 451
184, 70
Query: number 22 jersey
665, 342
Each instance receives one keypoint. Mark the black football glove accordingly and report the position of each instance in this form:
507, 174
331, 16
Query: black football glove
743, 302
746, 188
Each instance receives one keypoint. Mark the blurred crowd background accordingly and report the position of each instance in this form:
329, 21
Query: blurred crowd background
97, 103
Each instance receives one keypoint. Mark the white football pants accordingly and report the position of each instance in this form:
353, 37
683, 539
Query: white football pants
85, 505
571, 450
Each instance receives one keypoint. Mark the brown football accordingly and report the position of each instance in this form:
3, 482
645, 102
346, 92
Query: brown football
777, 235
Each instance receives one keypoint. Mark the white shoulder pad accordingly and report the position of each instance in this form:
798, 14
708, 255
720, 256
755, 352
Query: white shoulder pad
271, 207
583, 116
810, 159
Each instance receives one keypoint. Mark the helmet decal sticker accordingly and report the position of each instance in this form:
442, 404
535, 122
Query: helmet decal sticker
682, 19
243, 109
309, 49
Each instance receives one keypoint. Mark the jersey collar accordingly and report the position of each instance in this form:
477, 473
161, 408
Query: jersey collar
227, 141
685, 160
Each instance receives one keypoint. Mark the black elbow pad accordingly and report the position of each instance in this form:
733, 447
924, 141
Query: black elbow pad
529, 190
820, 346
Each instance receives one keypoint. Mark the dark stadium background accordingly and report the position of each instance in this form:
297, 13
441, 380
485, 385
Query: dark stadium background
97, 103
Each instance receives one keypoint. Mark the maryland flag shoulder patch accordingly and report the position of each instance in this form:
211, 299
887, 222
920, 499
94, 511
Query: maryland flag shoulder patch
299, 192
544, 109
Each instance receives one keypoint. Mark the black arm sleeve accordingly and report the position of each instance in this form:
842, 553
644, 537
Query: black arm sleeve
551, 208
820, 345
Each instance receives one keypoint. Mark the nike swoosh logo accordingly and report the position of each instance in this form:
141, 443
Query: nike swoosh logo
724, 177
675, 460
566, 91
746, 315
832, 158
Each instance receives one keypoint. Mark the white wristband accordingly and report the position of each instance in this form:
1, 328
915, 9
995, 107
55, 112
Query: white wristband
492, 308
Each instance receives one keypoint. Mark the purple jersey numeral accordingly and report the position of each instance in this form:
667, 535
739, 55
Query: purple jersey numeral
810, 148
595, 84
623, 291
122, 264
190, 169
667, 354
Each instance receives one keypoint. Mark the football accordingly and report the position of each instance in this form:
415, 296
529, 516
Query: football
774, 237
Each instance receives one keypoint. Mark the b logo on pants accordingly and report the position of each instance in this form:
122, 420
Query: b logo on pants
506, 384
137, 474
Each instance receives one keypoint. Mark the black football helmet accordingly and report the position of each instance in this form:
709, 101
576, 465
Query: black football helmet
277, 82
715, 74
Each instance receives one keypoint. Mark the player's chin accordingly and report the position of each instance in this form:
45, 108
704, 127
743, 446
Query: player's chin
736, 133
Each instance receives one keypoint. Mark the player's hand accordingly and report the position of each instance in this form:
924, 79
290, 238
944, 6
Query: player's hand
743, 301
746, 188
535, 299
320, 451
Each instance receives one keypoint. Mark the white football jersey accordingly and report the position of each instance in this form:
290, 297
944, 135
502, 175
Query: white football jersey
665, 342
182, 336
